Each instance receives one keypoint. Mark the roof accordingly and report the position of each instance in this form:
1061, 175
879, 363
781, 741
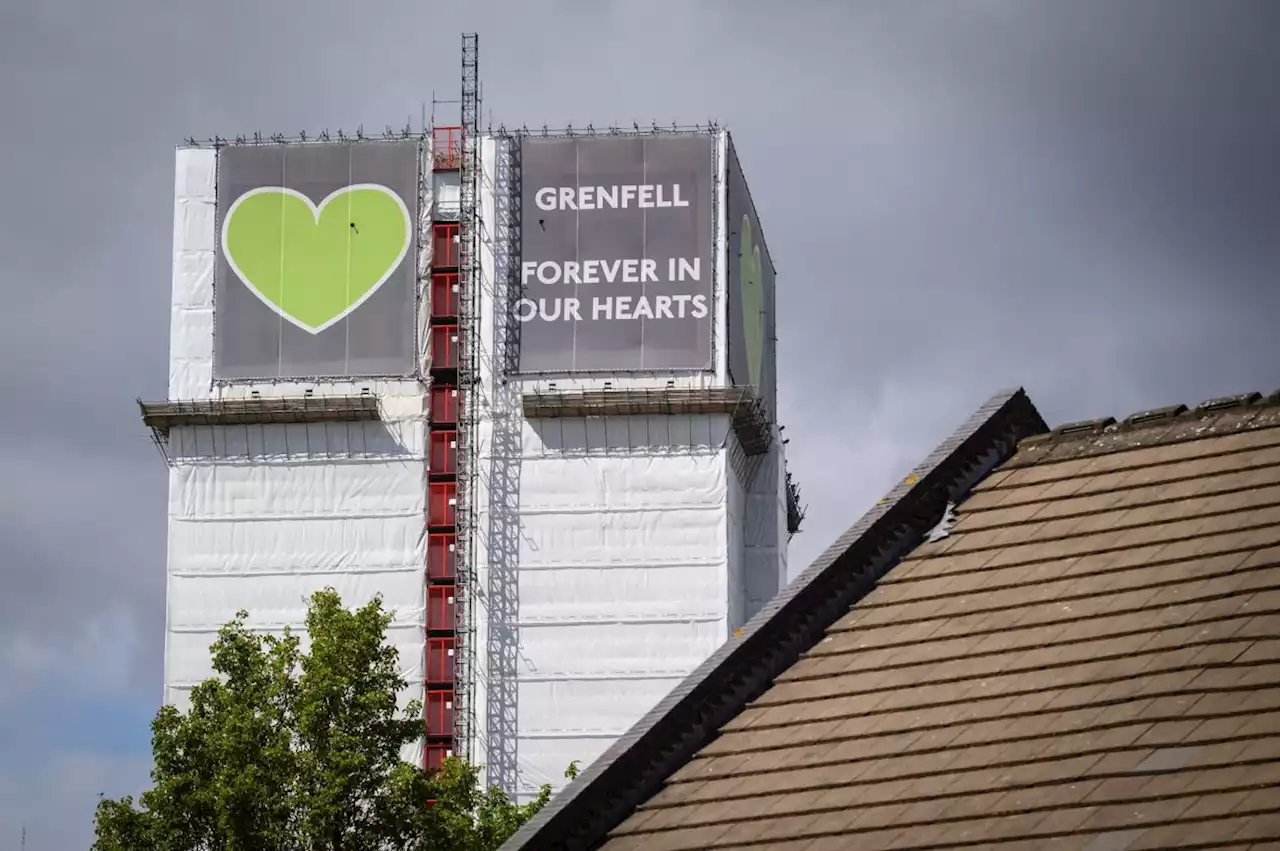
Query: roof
1087, 656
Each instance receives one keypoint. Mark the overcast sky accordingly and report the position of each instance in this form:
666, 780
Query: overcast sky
1079, 197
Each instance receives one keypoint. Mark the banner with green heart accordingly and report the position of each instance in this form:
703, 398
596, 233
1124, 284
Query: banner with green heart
315, 264
751, 291
751, 294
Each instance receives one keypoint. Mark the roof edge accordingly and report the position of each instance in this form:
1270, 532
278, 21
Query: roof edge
1158, 426
635, 766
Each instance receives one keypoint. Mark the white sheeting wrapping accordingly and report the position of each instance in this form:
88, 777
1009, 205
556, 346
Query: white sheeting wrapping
618, 651
623, 575
780, 516
633, 561
623, 591
191, 318
263, 537
447, 191
619, 595
764, 531
736, 557
586, 709
338, 443
262, 516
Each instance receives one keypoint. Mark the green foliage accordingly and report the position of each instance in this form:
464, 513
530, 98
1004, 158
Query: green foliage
292, 751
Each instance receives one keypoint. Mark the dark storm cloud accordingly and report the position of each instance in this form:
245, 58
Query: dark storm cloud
1082, 197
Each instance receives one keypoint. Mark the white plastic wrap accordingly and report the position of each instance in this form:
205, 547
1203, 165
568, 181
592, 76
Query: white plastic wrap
586, 709
780, 514
623, 575
191, 320
619, 595
764, 537
264, 535
736, 518
262, 516
632, 565
720, 333
426, 251
621, 650
447, 191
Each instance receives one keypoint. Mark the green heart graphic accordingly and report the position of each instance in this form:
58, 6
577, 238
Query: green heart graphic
311, 264
751, 285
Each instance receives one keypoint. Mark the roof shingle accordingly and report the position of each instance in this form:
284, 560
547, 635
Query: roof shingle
1089, 659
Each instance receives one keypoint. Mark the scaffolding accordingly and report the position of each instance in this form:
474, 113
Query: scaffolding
747, 412
162, 417
468, 387
795, 511
504, 459
453, 598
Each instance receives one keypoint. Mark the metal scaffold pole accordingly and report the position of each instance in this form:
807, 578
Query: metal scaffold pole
469, 286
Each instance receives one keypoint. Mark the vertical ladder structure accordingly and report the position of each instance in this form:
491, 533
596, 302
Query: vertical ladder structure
452, 455
469, 286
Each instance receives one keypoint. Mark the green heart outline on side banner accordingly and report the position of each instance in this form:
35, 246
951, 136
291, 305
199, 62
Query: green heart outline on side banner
313, 265
751, 293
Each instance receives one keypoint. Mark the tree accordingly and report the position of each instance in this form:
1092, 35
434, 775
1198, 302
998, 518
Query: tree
291, 751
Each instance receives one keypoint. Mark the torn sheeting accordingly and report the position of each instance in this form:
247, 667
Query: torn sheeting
943, 529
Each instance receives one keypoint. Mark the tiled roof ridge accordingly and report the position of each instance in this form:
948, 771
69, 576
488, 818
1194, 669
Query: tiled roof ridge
1087, 654
1169, 418
637, 764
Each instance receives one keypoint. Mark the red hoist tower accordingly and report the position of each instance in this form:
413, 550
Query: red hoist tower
451, 457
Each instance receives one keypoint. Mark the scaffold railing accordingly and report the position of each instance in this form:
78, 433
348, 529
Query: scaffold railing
469, 286
749, 413
160, 417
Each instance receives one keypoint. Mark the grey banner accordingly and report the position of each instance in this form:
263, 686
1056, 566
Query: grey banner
317, 256
752, 296
616, 253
